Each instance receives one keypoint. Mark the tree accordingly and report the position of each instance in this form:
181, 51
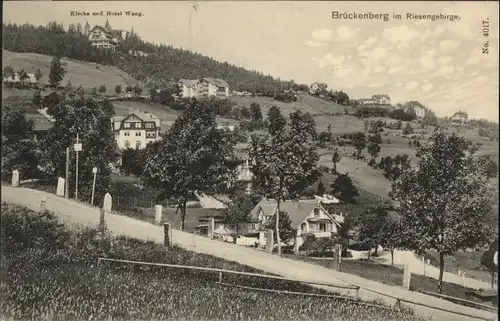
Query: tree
321, 188
238, 210
370, 226
359, 142
388, 236
51, 101
343, 188
286, 231
37, 99
137, 90
19, 150
102, 89
118, 89
255, 111
336, 157
394, 166
491, 167
443, 202
193, 156
23, 76
8, 71
373, 149
57, 72
90, 120
38, 74
133, 161
285, 164
487, 260
245, 112
276, 120
407, 129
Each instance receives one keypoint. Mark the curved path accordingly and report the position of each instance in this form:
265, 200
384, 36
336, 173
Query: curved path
73, 212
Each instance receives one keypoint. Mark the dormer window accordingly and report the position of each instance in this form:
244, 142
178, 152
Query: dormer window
316, 212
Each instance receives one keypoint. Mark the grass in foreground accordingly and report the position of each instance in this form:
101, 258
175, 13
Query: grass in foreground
50, 274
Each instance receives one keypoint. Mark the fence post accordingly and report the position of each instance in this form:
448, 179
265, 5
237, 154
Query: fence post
43, 204
166, 234
102, 222
220, 277
406, 277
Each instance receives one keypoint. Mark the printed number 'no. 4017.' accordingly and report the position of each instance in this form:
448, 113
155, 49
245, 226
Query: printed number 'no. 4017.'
486, 34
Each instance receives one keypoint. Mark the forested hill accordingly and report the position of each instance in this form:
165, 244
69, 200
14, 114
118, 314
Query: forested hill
166, 63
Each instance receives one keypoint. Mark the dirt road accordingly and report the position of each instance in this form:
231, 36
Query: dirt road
73, 212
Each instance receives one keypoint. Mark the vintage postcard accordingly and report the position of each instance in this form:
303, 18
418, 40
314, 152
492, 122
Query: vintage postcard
249, 160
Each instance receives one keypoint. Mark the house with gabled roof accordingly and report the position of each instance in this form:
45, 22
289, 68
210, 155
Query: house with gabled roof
204, 87
460, 117
308, 217
136, 130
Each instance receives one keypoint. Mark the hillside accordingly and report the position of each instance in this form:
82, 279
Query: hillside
166, 63
79, 73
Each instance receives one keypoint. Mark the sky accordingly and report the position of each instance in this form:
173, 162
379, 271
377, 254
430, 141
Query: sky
439, 63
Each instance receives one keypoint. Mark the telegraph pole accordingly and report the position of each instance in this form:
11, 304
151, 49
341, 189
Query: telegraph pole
66, 183
78, 148
94, 171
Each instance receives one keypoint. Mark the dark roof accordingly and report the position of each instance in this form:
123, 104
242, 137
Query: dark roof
296, 210
217, 82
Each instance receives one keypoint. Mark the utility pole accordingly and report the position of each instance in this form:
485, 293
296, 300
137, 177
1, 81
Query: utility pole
94, 171
66, 183
78, 148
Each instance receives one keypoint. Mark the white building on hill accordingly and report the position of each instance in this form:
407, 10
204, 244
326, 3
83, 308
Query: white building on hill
204, 87
136, 129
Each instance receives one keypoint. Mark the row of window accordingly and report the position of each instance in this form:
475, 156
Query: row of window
148, 134
137, 125
137, 144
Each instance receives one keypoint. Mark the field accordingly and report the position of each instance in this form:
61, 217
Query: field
464, 261
391, 275
80, 73
50, 274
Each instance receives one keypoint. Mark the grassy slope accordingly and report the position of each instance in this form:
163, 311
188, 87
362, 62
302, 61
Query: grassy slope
50, 273
390, 275
80, 73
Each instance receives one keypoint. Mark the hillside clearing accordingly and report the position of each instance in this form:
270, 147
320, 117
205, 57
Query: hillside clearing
80, 73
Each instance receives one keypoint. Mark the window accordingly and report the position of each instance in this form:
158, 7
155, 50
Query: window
149, 125
126, 125
127, 144
137, 133
303, 227
151, 135
316, 212
322, 227
138, 144
137, 125
126, 134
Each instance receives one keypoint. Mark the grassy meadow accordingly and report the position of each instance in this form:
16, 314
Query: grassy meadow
80, 73
50, 273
